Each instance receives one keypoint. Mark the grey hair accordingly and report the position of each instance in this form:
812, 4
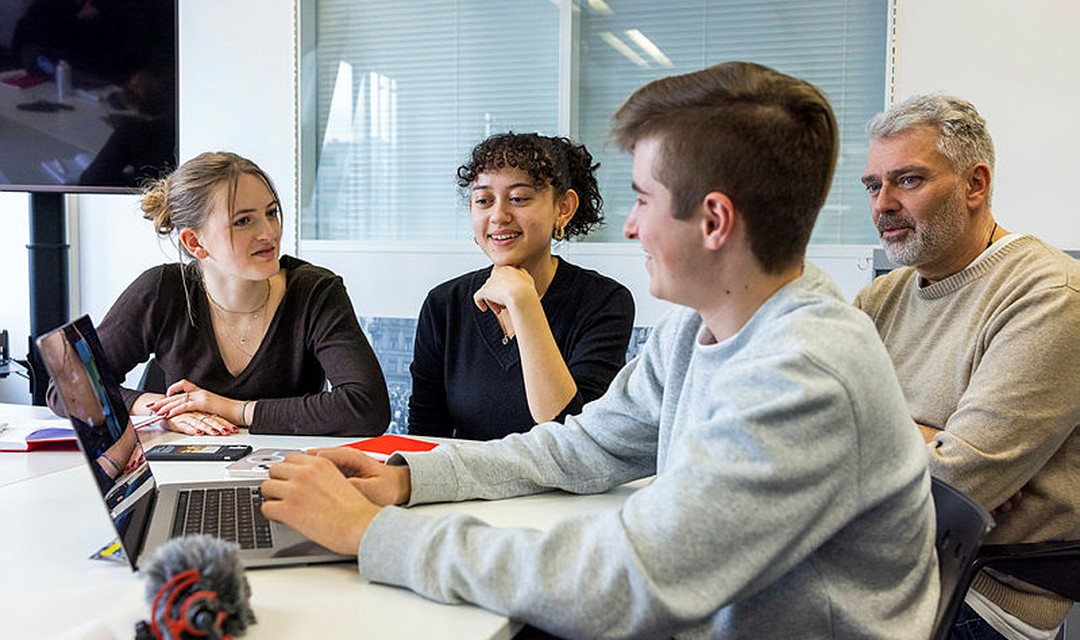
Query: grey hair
963, 137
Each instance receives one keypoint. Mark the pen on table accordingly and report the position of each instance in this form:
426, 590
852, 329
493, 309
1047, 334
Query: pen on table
145, 421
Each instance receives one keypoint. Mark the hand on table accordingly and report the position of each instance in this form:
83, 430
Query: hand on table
310, 494
197, 423
189, 409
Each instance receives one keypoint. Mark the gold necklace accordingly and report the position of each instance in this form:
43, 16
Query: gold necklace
258, 308
237, 338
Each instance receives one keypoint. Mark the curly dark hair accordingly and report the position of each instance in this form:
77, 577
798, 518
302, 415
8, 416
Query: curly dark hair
549, 160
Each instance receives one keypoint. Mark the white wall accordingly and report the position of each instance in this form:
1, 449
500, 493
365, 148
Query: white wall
238, 87
15, 288
1013, 59
236, 94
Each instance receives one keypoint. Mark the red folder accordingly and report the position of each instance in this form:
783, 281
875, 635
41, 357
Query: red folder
382, 447
33, 438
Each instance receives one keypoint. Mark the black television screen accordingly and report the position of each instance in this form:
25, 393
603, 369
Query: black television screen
87, 94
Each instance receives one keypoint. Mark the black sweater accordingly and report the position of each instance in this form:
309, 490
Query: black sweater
468, 384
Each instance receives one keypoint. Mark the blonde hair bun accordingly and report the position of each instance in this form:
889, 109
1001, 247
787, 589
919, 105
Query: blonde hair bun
155, 206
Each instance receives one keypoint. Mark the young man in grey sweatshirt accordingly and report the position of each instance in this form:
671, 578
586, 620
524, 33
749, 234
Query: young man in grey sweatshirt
791, 497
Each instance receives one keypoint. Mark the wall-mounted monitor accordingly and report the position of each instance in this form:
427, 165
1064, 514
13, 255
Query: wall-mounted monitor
88, 94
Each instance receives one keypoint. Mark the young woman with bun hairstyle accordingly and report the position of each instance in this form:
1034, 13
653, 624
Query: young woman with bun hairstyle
246, 337
531, 338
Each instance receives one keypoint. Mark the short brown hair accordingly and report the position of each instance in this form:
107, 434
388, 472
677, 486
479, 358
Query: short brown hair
767, 140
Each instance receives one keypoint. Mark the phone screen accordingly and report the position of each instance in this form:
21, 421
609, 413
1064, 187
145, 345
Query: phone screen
197, 448
200, 452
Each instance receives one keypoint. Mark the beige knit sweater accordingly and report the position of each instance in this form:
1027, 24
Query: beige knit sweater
991, 357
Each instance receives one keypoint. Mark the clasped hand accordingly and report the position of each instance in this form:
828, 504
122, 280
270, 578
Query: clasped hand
188, 409
504, 289
332, 495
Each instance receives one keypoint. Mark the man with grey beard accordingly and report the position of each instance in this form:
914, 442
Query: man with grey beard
983, 327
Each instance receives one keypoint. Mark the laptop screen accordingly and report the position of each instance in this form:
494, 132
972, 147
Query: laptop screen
91, 396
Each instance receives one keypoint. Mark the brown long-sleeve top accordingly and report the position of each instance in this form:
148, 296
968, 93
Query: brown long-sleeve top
313, 337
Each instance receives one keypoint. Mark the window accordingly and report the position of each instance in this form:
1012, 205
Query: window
396, 94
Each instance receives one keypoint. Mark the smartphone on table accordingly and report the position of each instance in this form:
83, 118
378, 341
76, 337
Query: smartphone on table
257, 464
198, 452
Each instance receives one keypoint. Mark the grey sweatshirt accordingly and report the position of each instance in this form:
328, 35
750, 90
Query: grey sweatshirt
791, 496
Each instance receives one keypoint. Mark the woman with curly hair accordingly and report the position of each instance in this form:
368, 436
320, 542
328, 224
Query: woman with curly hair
531, 338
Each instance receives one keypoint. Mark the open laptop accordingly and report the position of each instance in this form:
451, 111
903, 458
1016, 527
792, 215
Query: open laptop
144, 513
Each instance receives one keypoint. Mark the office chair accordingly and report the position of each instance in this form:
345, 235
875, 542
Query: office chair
1054, 566
153, 378
961, 526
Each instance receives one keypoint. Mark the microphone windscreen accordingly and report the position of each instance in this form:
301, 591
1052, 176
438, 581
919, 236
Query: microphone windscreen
221, 570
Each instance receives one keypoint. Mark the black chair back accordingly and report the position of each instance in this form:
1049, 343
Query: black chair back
961, 526
153, 378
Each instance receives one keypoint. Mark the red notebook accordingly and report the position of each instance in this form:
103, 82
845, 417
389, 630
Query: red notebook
382, 447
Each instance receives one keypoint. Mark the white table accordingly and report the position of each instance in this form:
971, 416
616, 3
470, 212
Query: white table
17, 467
53, 520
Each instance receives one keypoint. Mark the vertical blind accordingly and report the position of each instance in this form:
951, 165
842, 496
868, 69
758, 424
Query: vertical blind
403, 90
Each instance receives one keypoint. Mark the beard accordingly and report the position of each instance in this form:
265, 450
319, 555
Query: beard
929, 240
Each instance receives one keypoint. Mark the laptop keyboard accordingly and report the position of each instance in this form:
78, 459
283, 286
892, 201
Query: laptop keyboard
229, 513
